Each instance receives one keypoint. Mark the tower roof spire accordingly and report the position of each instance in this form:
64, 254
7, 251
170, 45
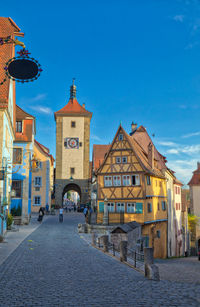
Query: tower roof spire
73, 89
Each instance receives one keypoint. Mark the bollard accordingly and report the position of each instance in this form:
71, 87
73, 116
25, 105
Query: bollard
94, 238
105, 243
123, 251
151, 270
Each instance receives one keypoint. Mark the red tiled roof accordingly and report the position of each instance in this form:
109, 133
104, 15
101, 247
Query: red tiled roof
195, 180
7, 51
21, 114
73, 108
45, 150
99, 152
142, 137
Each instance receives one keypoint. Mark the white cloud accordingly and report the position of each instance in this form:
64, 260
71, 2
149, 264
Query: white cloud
95, 137
167, 143
190, 150
41, 109
179, 18
39, 97
183, 169
190, 135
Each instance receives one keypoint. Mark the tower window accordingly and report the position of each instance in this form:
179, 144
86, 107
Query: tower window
73, 124
72, 170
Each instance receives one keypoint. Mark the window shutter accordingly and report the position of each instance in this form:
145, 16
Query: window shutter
139, 207
101, 206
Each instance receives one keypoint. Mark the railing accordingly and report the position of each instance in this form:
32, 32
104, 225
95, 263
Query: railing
123, 253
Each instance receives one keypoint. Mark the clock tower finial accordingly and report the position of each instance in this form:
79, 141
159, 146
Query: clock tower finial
73, 90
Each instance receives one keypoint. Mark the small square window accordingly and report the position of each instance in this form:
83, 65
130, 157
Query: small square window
121, 137
72, 170
80, 144
19, 126
148, 180
124, 159
158, 234
37, 200
149, 207
118, 159
73, 124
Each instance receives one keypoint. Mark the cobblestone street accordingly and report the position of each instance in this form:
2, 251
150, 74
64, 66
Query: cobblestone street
58, 268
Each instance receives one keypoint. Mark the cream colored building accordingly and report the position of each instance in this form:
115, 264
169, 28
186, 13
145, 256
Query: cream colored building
42, 177
72, 149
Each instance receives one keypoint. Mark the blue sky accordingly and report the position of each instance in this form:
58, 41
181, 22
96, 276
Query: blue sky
132, 60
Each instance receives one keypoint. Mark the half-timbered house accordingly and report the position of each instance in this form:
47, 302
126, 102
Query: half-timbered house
130, 180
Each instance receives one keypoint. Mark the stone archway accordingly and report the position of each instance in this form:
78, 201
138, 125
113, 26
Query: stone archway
71, 187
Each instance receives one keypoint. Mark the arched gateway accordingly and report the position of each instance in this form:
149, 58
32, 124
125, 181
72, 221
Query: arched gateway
72, 149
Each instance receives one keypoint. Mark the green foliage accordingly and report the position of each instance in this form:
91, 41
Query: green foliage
69, 195
9, 220
193, 221
16, 211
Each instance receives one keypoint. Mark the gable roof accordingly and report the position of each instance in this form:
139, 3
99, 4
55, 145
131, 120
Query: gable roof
45, 150
73, 108
143, 139
98, 155
139, 153
195, 180
21, 114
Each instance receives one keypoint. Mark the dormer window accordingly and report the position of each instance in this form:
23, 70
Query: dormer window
121, 137
19, 126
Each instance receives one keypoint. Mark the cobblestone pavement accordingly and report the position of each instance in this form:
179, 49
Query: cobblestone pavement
58, 268
180, 269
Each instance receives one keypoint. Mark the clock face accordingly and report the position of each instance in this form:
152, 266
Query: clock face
71, 143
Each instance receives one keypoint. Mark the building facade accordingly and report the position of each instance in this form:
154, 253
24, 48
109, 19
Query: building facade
7, 118
72, 149
22, 166
42, 177
135, 190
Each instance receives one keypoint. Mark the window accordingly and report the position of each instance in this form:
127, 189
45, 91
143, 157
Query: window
38, 164
126, 180
135, 180
120, 207
19, 126
124, 159
163, 205
107, 181
149, 207
37, 200
37, 181
72, 170
160, 184
158, 207
121, 137
111, 207
80, 144
158, 234
17, 187
37, 189
116, 180
131, 207
73, 124
17, 155
118, 159
148, 180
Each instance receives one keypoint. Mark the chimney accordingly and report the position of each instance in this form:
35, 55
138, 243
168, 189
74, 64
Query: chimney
83, 105
151, 155
133, 128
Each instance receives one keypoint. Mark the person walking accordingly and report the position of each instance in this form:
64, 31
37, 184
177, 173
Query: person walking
41, 214
61, 215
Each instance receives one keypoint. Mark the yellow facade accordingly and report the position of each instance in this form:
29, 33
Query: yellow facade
146, 197
45, 171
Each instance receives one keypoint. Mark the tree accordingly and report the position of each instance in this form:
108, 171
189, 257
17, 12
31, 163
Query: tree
193, 221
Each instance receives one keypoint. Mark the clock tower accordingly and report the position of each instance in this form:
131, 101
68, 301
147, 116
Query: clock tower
72, 149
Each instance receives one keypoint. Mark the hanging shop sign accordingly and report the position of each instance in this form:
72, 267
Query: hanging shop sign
23, 68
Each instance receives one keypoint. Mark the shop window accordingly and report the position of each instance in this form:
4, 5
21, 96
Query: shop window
17, 188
